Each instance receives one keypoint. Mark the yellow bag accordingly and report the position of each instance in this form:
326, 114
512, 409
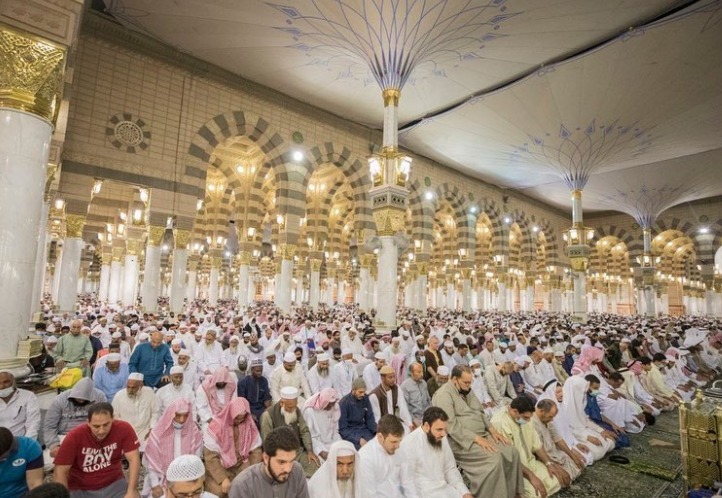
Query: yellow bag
67, 378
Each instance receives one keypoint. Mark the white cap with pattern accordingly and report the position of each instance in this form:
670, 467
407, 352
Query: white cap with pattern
185, 468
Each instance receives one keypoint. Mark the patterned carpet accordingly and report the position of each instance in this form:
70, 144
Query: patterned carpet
606, 480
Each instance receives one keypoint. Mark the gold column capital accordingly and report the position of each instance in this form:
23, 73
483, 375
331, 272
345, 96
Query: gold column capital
244, 258
74, 224
389, 220
367, 260
117, 253
315, 265
31, 74
287, 251
133, 247
391, 96
576, 194
155, 235
216, 262
181, 238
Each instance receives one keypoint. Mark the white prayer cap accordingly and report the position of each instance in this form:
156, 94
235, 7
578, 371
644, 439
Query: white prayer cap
94, 332
474, 362
380, 356
112, 326
522, 360
175, 342
136, 376
52, 339
51, 328
256, 362
234, 338
322, 357
169, 333
443, 371
185, 468
448, 344
289, 392
112, 357
548, 351
297, 339
558, 353
199, 333
135, 326
346, 351
289, 358
116, 335
503, 345
176, 370
626, 341
143, 336
272, 352
184, 352
247, 334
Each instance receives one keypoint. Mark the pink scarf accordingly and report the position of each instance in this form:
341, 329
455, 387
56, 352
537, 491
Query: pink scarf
221, 431
321, 399
209, 386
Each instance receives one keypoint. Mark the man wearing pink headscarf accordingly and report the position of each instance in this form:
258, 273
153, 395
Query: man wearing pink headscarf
174, 434
216, 392
231, 443
322, 412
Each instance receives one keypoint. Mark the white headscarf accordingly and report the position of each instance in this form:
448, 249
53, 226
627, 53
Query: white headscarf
575, 399
323, 484
560, 421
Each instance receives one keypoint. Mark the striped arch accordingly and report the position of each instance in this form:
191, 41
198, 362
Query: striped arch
493, 211
422, 213
550, 237
635, 245
299, 173
662, 225
464, 223
528, 241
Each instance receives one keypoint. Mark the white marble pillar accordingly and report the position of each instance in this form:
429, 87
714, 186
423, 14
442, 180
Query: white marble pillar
251, 288
192, 284
285, 283
466, 296
213, 285
580, 291
104, 282
55, 286
364, 287
330, 287
41, 258
130, 279
649, 301
150, 290
69, 271
388, 257
116, 276
342, 291
503, 297
315, 292
299, 290
422, 303
440, 296
178, 272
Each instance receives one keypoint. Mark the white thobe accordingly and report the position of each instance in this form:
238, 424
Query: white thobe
486, 358
230, 358
190, 375
203, 407
323, 427
209, 357
280, 378
318, 382
342, 376
433, 470
384, 475
21, 414
169, 393
140, 411
372, 377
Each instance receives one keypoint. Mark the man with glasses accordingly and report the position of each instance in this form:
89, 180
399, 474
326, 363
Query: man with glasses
74, 349
185, 478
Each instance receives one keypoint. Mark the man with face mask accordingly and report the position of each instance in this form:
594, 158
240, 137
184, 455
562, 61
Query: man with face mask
483, 453
383, 467
19, 409
176, 389
137, 405
478, 387
430, 459
513, 422
112, 376
67, 411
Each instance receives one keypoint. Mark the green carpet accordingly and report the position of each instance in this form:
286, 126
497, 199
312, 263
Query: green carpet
606, 480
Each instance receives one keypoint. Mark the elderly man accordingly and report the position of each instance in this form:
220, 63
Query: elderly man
386, 399
430, 459
371, 373
153, 360
21, 464
383, 467
279, 474
74, 349
542, 476
337, 477
137, 405
498, 383
255, 389
111, 377
286, 413
319, 375
357, 423
289, 375
67, 411
270, 365
174, 390
186, 477
441, 378
344, 373
478, 387
19, 409
486, 456
553, 444
209, 354
416, 394
216, 392
321, 413
190, 369
89, 459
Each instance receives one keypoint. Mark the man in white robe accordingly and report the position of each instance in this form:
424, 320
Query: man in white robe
344, 373
319, 375
137, 404
290, 374
190, 369
209, 354
338, 476
383, 467
174, 390
371, 374
431, 460
321, 413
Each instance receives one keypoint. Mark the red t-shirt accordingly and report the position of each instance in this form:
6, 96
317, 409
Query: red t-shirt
96, 464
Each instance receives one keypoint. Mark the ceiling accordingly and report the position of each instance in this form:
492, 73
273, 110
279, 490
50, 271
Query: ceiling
533, 95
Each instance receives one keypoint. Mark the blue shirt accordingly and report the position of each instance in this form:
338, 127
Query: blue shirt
111, 382
25, 454
256, 392
152, 363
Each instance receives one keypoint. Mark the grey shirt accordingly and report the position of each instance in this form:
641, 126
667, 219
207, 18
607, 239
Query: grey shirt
254, 483
417, 397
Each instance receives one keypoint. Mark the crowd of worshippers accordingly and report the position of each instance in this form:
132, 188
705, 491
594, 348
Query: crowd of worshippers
257, 403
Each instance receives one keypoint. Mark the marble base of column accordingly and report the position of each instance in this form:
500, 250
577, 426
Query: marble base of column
466, 296
130, 280
330, 291
178, 279
41, 258
68, 290
116, 275
579, 280
388, 258
315, 289
213, 287
150, 289
422, 303
285, 283
191, 285
104, 283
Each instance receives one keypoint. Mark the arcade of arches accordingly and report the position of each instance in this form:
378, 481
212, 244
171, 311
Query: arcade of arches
169, 180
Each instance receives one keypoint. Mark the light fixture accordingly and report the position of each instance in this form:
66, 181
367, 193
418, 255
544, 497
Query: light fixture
97, 186
144, 194
703, 230
281, 220
429, 195
473, 209
535, 229
59, 204
123, 215
309, 240
251, 232
376, 170
164, 247
220, 240
121, 228
137, 215
297, 155
507, 220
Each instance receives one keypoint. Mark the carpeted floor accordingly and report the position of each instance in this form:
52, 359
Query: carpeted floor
607, 480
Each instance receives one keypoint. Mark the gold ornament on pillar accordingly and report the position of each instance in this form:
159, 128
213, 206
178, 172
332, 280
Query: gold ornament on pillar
182, 238
287, 251
244, 258
117, 254
74, 225
133, 246
31, 74
193, 261
216, 262
155, 235
391, 97
315, 265
389, 220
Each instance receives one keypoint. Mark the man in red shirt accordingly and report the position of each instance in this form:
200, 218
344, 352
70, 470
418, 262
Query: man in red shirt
89, 458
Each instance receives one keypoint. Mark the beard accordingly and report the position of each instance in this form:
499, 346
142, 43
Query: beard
432, 441
323, 372
290, 417
345, 487
282, 477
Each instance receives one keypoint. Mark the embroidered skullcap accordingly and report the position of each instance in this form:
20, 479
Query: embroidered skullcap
386, 370
289, 358
380, 356
176, 370
136, 376
322, 357
185, 468
289, 392
256, 362
358, 383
